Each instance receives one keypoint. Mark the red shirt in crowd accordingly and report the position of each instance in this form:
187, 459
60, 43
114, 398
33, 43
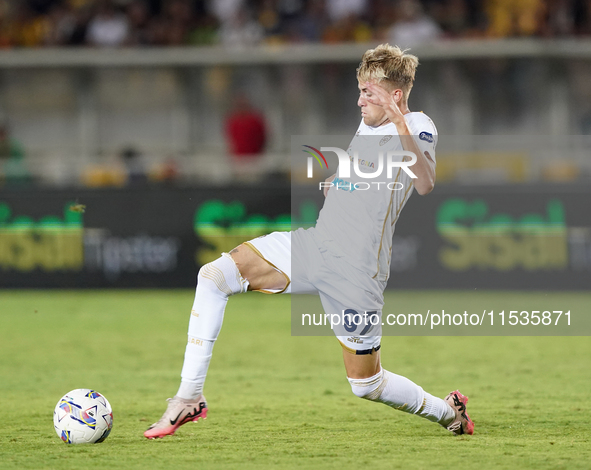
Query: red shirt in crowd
246, 132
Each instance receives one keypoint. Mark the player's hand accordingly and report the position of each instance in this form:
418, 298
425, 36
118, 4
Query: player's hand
328, 180
381, 97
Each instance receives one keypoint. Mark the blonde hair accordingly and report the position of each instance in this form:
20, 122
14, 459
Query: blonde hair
391, 65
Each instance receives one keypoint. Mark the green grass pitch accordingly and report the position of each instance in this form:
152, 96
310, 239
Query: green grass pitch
278, 401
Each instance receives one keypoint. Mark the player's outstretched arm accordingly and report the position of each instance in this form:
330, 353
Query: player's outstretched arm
424, 168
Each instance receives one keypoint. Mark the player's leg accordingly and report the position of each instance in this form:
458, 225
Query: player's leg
250, 266
361, 366
245, 268
235, 273
360, 337
370, 381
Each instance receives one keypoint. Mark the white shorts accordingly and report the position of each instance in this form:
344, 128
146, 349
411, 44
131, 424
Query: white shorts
275, 249
345, 293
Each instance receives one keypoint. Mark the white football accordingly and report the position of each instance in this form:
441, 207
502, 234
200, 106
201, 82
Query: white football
83, 416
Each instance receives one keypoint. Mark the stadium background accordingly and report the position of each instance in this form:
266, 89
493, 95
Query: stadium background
123, 106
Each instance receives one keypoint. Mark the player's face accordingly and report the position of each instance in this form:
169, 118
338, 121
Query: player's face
372, 114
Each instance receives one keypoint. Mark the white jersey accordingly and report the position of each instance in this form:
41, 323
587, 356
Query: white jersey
359, 215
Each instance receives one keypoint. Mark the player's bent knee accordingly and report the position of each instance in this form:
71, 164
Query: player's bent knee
222, 277
370, 388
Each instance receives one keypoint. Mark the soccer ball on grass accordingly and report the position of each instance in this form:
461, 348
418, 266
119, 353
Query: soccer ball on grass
83, 416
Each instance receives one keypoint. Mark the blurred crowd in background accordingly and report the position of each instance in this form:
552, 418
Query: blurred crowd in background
121, 23
111, 126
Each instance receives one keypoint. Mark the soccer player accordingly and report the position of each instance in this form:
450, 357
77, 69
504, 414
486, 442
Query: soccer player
347, 280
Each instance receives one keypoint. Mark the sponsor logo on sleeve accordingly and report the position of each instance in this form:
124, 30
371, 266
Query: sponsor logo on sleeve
426, 136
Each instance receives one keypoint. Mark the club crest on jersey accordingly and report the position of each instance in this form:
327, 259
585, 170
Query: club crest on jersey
385, 139
426, 136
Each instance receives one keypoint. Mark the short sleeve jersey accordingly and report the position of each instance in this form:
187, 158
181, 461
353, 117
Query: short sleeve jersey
359, 215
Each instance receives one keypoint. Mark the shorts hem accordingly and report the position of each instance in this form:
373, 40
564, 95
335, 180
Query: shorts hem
287, 279
360, 352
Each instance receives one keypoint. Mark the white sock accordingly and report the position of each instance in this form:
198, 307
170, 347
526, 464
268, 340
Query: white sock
402, 394
216, 282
